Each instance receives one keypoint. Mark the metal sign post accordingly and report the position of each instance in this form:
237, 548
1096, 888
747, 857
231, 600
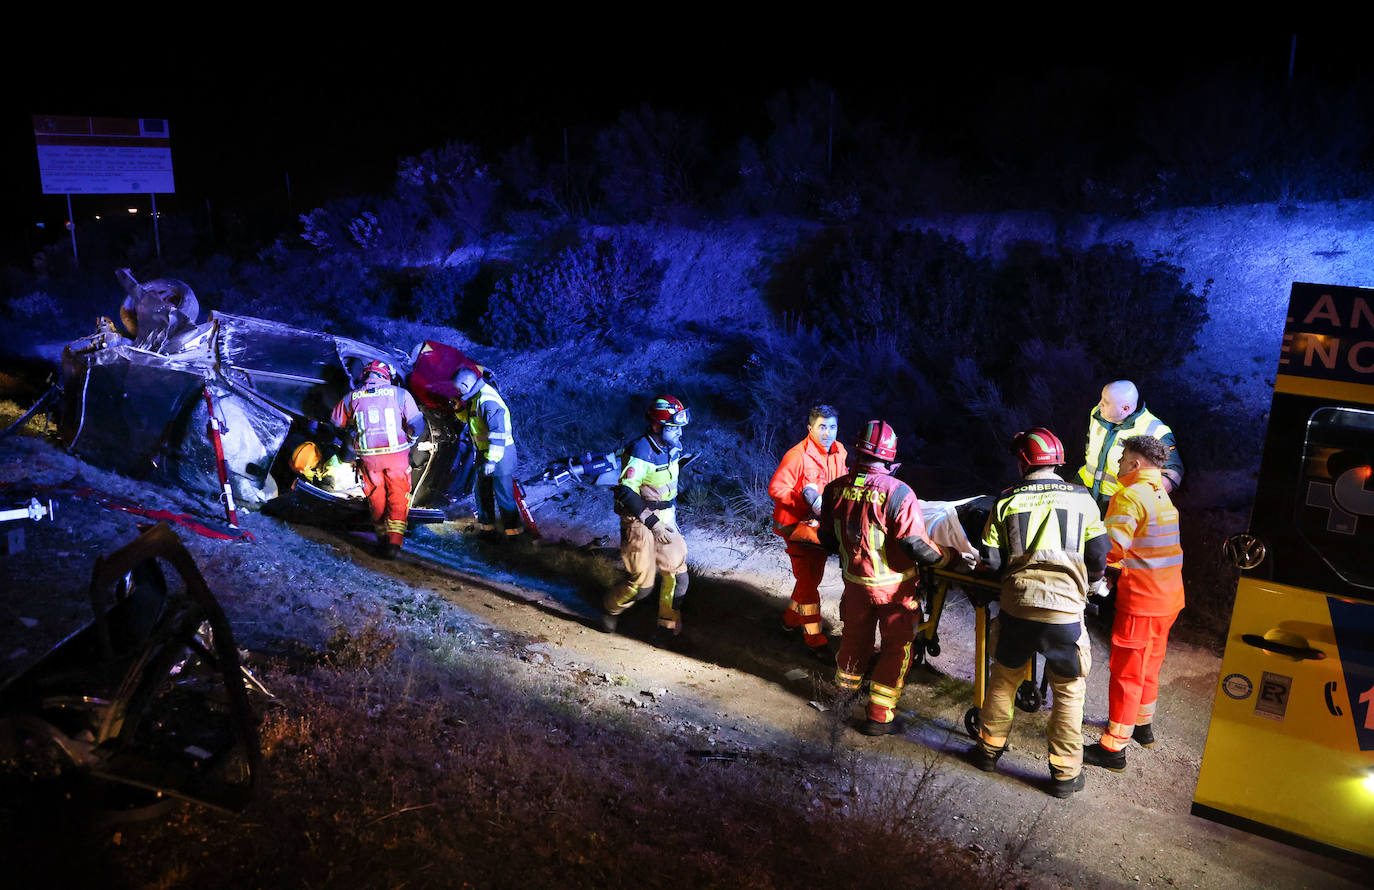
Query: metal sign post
71, 227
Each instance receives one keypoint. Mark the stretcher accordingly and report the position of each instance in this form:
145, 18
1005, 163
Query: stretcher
982, 591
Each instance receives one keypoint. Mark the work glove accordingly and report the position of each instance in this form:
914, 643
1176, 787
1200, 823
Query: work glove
489, 467
424, 446
662, 529
1098, 591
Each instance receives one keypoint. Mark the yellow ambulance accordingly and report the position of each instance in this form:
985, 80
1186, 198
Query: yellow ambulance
1290, 748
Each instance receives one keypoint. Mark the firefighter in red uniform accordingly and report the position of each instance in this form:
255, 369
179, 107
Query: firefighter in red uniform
383, 420
873, 521
806, 469
1143, 525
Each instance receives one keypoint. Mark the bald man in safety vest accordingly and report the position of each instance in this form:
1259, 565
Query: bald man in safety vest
1118, 416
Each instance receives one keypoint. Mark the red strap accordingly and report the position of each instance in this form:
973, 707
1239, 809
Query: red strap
184, 520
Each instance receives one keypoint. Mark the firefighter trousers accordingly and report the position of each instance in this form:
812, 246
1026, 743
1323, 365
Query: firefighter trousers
1138, 646
1068, 658
644, 559
804, 611
386, 483
895, 623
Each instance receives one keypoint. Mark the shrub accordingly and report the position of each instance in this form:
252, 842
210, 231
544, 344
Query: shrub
1134, 316
585, 290
439, 297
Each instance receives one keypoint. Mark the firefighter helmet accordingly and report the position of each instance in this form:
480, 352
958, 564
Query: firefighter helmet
1038, 447
668, 411
376, 366
877, 440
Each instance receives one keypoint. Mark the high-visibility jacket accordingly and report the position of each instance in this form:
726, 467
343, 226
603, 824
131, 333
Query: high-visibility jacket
804, 464
489, 422
1143, 525
873, 520
382, 418
649, 477
1049, 542
1098, 473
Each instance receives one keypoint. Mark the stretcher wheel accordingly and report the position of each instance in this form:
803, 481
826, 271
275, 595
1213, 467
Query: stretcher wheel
1028, 698
971, 722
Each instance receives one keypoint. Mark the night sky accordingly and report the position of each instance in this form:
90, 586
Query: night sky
335, 113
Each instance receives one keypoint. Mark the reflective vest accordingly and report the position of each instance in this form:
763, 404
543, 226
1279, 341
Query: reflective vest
1143, 524
377, 415
804, 464
651, 471
1103, 453
1042, 529
488, 420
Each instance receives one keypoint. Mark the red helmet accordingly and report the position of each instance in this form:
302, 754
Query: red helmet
667, 410
878, 440
376, 366
1038, 447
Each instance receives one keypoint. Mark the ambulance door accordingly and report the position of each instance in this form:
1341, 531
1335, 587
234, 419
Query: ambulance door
1290, 748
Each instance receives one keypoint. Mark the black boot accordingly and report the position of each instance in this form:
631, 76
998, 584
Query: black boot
876, 727
1144, 735
983, 759
1062, 788
1097, 755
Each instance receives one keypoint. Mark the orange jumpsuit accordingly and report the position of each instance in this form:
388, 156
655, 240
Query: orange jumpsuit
1143, 525
383, 419
804, 464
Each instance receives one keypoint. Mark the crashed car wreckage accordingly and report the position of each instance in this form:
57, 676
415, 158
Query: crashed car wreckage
237, 408
144, 705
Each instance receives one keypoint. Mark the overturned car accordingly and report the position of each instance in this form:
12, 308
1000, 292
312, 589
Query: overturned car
237, 408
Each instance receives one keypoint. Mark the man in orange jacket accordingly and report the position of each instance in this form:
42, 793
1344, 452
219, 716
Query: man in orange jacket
806, 469
1143, 525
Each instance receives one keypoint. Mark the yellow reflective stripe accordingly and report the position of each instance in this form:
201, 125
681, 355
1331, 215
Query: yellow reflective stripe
883, 696
995, 742
1146, 714
880, 580
848, 681
807, 608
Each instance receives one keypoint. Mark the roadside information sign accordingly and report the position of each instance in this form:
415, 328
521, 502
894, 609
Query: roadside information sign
103, 155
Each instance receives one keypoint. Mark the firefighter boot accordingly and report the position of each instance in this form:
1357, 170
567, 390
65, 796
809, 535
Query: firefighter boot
1062, 788
983, 758
617, 601
1144, 735
878, 727
1100, 756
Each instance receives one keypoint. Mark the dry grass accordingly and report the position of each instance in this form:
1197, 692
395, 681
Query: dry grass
387, 768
